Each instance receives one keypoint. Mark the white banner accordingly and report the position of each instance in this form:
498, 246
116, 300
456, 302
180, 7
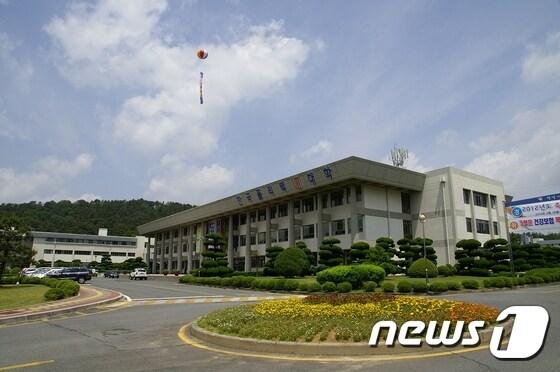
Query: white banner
540, 216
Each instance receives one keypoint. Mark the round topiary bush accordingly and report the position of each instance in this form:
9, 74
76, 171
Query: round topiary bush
418, 268
69, 287
291, 285
470, 284
388, 287
445, 270
419, 287
329, 287
54, 294
453, 286
291, 262
438, 287
369, 286
314, 287
344, 287
354, 274
404, 286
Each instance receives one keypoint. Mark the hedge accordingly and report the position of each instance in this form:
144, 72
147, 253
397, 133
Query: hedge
388, 287
344, 287
370, 286
438, 287
354, 274
404, 286
54, 294
470, 284
454, 286
419, 287
329, 287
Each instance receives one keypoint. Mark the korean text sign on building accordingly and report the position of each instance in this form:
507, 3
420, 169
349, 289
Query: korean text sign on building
535, 214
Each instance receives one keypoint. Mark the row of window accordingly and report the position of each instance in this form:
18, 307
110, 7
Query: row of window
479, 199
88, 253
89, 241
482, 226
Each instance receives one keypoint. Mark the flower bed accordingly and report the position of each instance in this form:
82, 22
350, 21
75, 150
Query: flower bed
336, 317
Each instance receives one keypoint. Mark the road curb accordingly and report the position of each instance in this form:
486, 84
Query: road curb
64, 310
331, 349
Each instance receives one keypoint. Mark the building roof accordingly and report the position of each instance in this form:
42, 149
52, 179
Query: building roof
47, 234
312, 180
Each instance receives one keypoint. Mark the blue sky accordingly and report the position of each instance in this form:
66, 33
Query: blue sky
100, 99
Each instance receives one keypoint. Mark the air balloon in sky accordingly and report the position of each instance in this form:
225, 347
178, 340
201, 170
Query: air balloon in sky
201, 54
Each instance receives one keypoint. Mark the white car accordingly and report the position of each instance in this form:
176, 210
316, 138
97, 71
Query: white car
138, 274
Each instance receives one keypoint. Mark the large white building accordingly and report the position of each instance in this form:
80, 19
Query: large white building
352, 199
53, 246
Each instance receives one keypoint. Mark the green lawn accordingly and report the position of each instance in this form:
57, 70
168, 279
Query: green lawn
456, 278
12, 296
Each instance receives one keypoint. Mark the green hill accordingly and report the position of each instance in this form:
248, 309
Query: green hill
121, 217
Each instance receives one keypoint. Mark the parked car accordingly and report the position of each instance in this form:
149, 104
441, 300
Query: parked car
45, 271
138, 274
111, 274
28, 271
79, 274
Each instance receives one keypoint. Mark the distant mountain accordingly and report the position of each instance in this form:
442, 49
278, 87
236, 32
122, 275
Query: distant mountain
121, 217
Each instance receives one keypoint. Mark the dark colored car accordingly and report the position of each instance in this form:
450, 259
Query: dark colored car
111, 274
79, 274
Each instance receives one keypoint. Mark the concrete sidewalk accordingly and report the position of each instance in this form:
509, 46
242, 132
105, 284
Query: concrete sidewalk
88, 297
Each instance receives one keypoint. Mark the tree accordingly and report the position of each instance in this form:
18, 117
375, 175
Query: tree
106, 263
13, 250
215, 262
301, 245
472, 258
330, 254
291, 262
359, 251
271, 254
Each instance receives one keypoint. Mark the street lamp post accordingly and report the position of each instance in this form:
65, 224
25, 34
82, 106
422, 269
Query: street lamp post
422, 218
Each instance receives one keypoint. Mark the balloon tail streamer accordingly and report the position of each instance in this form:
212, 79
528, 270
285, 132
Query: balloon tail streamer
201, 99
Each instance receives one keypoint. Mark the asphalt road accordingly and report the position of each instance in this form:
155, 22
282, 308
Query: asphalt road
144, 338
164, 288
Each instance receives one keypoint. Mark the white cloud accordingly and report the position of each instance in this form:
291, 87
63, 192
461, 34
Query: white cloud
320, 150
543, 62
46, 176
192, 184
108, 44
526, 155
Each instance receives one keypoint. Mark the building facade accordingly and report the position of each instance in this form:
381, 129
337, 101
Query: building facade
52, 246
352, 199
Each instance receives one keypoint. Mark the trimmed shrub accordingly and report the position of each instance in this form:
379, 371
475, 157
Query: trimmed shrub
508, 282
226, 282
344, 287
329, 287
291, 285
315, 287
269, 284
404, 286
438, 287
69, 287
369, 286
354, 274
54, 294
9, 280
279, 284
418, 268
520, 281
246, 281
302, 287
470, 284
445, 270
453, 286
388, 287
419, 287
291, 262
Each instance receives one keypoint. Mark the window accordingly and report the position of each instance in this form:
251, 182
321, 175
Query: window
326, 230
131, 254
243, 219
83, 253
337, 198
467, 196
47, 251
167, 235
253, 238
158, 237
282, 210
325, 200
493, 201
175, 248
495, 225
360, 223
482, 227
297, 232
262, 238
480, 200
273, 211
338, 227
347, 195
176, 234
308, 204
405, 202
186, 231
308, 231
118, 254
407, 229
242, 240
297, 206
253, 216
349, 225
469, 224
100, 253
358, 193
283, 235
262, 214
62, 251
167, 250
184, 247
273, 236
